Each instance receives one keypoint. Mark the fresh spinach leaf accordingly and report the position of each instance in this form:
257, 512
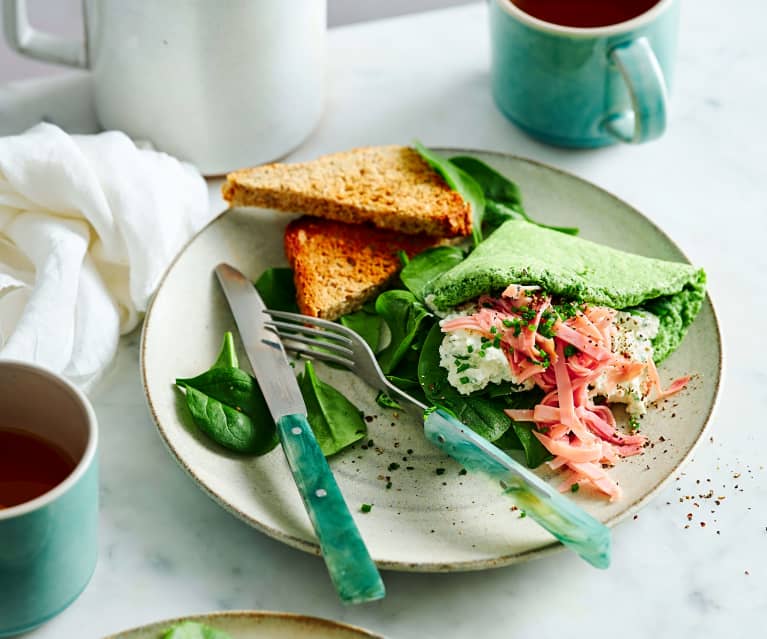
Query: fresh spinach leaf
535, 452
367, 324
335, 421
227, 357
404, 315
495, 186
503, 199
228, 406
230, 386
483, 415
225, 425
460, 181
193, 630
276, 288
427, 266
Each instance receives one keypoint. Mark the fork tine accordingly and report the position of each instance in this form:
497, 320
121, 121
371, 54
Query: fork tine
307, 330
313, 341
306, 319
318, 355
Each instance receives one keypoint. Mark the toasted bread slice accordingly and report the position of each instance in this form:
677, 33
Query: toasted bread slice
391, 187
337, 267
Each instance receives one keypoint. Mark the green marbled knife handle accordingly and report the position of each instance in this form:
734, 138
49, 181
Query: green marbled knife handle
351, 569
569, 523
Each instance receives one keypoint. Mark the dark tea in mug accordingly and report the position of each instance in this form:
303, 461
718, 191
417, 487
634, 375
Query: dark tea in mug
585, 13
30, 466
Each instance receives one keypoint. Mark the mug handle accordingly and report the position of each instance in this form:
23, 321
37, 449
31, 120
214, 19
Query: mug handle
646, 85
26, 40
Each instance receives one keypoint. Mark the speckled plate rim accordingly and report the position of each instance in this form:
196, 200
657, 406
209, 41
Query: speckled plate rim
211, 618
499, 561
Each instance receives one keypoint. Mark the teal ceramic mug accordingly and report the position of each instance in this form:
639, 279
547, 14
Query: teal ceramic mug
584, 87
48, 546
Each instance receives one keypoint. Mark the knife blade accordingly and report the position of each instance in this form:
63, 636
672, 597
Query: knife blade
348, 561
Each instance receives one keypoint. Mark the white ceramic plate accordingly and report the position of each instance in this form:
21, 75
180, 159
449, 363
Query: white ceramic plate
257, 625
425, 521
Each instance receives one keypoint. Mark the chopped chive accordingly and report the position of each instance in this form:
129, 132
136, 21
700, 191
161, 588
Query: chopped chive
462, 368
366, 508
493, 330
574, 488
470, 348
464, 380
497, 342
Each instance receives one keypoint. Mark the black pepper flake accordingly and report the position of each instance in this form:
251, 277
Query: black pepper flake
440, 471
368, 418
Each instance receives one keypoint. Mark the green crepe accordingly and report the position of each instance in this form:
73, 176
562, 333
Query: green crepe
522, 253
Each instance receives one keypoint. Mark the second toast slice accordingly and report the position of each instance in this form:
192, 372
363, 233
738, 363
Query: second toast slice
337, 267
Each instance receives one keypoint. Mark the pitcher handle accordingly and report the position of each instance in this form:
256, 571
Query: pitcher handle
646, 85
26, 40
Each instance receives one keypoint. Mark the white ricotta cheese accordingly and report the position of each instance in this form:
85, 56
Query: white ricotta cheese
633, 339
467, 370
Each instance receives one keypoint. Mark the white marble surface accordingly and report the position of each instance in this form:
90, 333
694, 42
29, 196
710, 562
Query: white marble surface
167, 550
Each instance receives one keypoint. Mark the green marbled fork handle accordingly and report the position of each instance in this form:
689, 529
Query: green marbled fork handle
351, 568
569, 523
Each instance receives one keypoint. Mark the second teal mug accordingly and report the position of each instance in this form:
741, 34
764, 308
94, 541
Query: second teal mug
584, 87
48, 546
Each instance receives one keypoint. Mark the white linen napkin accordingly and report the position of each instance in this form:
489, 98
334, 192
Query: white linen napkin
88, 225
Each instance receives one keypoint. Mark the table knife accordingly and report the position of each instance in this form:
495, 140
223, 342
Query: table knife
348, 561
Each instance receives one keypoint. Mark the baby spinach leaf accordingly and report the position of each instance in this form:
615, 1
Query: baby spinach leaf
367, 324
276, 288
460, 181
335, 421
427, 266
228, 356
404, 315
483, 415
495, 186
503, 199
535, 452
193, 630
231, 386
226, 426
228, 406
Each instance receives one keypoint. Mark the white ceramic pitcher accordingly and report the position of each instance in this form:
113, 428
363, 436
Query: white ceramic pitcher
220, 84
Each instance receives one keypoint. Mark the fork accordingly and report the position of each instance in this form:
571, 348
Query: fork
330, 342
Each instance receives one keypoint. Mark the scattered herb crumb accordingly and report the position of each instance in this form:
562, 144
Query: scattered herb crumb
393, 466
366, 508
440, 471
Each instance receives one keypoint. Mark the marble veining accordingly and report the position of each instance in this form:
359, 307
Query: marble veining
692, 563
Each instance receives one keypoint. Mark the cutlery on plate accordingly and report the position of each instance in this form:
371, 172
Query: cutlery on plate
351, 568
563, 518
